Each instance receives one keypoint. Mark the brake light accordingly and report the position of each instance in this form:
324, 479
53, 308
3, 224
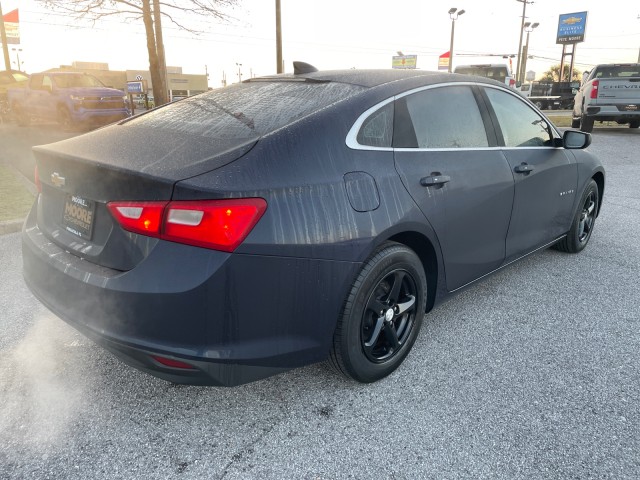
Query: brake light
594, 89
216, 224
512, 82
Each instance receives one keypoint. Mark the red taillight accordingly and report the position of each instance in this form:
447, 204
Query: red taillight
170, 362
216, 224
594, 89
36, 179
512, 82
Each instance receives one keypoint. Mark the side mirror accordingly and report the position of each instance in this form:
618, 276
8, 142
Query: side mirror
573, 139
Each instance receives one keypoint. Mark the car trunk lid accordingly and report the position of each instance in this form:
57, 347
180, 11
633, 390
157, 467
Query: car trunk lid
79, 176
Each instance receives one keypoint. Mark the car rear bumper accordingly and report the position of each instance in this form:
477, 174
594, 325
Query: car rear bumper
613, 113
232, 318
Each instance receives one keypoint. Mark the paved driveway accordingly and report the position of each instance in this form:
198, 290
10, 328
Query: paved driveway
533, 373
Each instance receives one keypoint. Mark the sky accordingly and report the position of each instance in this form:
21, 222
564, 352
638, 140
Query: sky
332, 34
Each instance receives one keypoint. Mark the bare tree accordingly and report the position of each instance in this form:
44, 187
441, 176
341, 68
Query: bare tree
151, 13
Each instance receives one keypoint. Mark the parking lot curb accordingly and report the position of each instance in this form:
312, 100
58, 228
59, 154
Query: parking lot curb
10, 226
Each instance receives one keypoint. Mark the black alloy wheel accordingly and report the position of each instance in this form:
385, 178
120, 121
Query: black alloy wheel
389, 316
583, 222
382, 315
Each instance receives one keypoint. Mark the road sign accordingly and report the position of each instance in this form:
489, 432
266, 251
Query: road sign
443, 61
572, 27
135, 87
404, 61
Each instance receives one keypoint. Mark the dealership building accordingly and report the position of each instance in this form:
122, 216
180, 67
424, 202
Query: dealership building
179, 84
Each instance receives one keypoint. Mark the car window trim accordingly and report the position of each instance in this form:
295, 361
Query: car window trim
351, 139
498, 130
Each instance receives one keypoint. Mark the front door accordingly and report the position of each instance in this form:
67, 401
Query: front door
545, 176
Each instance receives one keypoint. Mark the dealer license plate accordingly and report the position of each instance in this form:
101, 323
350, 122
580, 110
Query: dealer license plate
77, 216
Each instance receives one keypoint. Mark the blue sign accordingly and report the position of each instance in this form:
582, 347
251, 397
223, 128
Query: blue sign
134, 87
572, 27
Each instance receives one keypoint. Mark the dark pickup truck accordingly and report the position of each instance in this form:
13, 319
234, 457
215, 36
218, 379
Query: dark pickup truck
72, 99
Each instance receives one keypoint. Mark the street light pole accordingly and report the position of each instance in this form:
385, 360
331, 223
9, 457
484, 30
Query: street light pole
524, 15
528, 27
454, 14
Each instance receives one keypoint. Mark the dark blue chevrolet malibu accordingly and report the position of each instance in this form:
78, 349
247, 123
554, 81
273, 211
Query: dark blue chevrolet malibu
297, 218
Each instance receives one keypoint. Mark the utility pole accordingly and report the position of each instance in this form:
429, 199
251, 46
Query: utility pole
279, 66
3, 38
524, 15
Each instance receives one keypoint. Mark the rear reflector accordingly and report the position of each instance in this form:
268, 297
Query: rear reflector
216, 224
170, 362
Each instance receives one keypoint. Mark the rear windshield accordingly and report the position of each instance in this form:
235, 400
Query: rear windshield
247, 110
618, 71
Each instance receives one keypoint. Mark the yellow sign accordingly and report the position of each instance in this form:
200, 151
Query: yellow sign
404, 61
572, 20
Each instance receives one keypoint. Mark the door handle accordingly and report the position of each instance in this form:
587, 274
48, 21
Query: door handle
433, 180
523, 168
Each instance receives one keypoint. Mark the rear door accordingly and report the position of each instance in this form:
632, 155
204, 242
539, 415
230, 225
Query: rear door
545, 176
451, 166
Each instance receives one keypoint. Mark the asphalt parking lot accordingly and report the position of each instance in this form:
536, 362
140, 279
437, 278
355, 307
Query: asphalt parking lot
532, 373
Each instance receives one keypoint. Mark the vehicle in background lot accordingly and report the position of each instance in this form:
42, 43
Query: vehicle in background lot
289, 219
610, 92
72, 99
550, 95
9, 79
496, 71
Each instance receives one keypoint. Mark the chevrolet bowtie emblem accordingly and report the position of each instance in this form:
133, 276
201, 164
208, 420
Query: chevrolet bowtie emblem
57, 179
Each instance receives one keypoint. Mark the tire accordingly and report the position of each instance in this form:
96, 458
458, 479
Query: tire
586, 124
634, 124
22, 119
575, 123
583, 223
64, 119
539, 104
382, 315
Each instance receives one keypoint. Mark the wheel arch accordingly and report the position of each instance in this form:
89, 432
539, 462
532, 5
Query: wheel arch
425, 250
598, 177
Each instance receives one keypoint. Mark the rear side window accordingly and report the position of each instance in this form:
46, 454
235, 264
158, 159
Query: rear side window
445, 117
246, 111
520, 124
377, 129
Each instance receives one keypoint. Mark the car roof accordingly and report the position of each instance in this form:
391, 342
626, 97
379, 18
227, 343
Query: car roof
376, 78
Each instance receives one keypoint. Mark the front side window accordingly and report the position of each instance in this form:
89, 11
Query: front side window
444, 117
521, 126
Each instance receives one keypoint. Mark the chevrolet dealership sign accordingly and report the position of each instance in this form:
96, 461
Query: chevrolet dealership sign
572, 27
